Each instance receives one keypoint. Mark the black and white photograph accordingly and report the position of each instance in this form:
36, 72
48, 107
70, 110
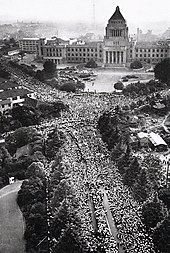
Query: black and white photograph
84, 126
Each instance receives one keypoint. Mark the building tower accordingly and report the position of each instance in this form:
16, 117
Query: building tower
116, 41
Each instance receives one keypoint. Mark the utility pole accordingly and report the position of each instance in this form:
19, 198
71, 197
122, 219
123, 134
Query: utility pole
94, 16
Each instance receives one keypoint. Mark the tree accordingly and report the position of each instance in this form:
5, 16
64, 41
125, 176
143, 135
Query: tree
39, 75
69, 87
136, 65
118, 86
140, 186
91, 64
49, 67
164, 195
131, 173
162, 71
26, 115
54, 142
65, 228
36, 169
152, 213
4, 73
161, 236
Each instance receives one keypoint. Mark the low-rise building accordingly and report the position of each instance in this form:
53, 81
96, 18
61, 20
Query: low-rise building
14, 54
157, 142
28, 44
11, 94
143, 139
60, 51
151, 52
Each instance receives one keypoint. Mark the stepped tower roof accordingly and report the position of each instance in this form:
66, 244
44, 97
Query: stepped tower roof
117, 15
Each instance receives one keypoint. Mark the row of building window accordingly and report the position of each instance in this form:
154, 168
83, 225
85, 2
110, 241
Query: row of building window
53, 49
149, 60
151, 50
80, 55
80, 59
54, 54
151, 55
83, 49
29, 48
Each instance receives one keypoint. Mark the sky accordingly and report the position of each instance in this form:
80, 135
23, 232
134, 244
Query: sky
134, 11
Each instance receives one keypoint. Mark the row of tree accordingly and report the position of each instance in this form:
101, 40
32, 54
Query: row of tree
32, 202
49, 75
141, 89
143, 179
27, 115
66, 223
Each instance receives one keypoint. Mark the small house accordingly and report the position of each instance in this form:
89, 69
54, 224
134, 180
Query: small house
143, 139
157, 143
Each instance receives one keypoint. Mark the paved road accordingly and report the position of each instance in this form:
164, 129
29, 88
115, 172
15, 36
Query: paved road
11, 220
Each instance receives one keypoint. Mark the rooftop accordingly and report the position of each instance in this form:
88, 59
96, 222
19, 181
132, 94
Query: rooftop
150, 45
142, 135
5, 84
156, 139
30, 39
14, 93
117, 15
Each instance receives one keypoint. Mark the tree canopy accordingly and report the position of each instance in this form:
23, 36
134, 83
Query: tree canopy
162, 71
91, 64
49, 67
118, 86
136, 65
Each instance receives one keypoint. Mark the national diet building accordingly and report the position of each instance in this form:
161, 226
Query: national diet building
116, 41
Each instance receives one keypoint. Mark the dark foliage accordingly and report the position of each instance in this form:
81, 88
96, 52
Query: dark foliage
152, 213
119, 86
53, 143
164, 195
24, 68
91, 64
4, 73
49, 67
69, 87
31, 199
161, 237
162, 71
136, 65
26, 115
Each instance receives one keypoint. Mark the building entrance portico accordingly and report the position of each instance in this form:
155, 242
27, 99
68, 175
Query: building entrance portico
114, 57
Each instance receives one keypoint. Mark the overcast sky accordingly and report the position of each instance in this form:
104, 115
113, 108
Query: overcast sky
134, 11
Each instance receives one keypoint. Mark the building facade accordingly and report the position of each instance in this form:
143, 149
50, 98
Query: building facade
28, 44
151, 52
116, 50
82, 53
61, 51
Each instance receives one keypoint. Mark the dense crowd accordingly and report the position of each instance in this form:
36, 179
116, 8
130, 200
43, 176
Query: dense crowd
100, 172
91, 171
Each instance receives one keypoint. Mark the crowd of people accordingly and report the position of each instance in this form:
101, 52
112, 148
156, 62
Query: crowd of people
100, 172
90, 169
